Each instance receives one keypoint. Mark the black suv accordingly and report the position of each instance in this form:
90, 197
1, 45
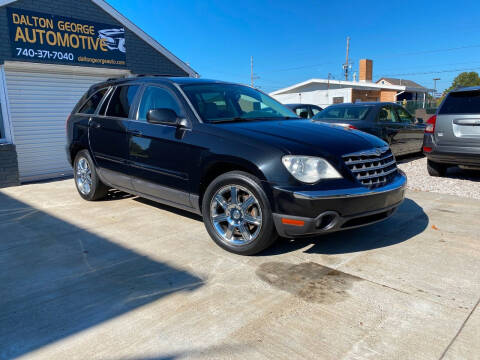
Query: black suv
232, 154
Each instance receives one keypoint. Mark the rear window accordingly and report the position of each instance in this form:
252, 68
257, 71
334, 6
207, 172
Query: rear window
343, 112
91, 105
462, 102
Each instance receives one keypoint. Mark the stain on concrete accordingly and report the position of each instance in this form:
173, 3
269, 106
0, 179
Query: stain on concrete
309, 281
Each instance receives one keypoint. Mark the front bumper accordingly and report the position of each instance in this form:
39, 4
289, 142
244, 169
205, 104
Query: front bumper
320, 211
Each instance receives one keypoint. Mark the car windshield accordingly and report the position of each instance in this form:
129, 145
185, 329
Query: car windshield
229, 102
354, 112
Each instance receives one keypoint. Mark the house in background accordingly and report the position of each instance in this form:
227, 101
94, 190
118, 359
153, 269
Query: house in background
407, 95
324, 92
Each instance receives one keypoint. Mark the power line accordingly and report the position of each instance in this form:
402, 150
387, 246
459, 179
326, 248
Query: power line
387, 55
433, 72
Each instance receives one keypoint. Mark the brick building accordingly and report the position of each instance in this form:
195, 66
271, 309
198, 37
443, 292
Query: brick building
51, 51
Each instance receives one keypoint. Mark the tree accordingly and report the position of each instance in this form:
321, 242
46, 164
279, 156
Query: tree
464, 79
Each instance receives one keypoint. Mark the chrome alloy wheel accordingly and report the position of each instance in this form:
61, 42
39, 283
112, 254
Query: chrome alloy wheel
236, 215
84, 176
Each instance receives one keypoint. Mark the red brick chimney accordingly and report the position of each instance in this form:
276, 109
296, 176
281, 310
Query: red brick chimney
366, 70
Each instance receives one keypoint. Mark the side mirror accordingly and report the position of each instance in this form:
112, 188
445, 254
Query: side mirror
419, 121
304, 114
163, 116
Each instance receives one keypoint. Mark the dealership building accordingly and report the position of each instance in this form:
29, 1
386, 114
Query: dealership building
51, 52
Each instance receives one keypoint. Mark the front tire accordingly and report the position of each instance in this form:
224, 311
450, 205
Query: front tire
88, 184
436, 169
237, 214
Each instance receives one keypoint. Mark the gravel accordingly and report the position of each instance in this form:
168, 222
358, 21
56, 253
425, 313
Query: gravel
457, 181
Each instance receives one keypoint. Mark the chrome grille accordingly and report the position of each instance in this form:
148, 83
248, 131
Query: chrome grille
373, 168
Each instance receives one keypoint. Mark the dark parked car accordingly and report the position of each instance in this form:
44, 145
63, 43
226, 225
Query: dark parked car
452, 136
232, 154
388, 121
305, 111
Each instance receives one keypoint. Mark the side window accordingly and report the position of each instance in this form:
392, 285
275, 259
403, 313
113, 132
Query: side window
404, 115
302, 111
92, 103
157, 98
248, 104
121, 101
386, 114
315, 110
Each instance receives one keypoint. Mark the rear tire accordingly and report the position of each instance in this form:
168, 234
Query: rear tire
237, 214
436, 169
88, 184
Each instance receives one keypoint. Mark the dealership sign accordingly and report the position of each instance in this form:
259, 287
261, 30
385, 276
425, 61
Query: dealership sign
44, 37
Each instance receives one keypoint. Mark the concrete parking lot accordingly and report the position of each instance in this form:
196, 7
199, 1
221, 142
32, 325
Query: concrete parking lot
129, 279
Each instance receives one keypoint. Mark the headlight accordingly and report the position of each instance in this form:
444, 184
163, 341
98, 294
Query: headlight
309, 169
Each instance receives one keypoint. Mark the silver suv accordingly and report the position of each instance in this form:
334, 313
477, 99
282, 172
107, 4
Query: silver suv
452, 136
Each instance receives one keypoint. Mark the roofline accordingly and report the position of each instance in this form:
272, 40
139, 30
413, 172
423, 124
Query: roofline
386, 78
350, 84
137, 31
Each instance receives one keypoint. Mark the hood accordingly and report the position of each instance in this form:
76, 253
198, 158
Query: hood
306, 137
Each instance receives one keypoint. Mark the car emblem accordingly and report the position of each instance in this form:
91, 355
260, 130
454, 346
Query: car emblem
378, 151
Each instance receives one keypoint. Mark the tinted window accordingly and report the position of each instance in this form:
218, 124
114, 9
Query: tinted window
404, 115
463, 102
121, 101
220, 102
316, 110
387, 114
300, 110
344, 112
156, 98
91, 105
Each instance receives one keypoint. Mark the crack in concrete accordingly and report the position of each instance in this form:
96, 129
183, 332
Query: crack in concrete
459, 331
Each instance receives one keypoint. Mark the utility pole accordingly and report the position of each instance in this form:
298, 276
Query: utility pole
346, 66
253, 76
251, 71
435, 86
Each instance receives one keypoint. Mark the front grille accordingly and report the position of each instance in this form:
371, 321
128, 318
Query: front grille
373, 168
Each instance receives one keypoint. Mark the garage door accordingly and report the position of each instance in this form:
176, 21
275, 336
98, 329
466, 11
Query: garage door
39, 105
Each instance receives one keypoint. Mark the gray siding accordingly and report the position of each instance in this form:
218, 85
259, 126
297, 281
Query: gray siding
8, 166
141, 57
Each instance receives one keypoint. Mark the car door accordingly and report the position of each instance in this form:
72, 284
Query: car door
392, 130
158, 155
108, 136
413, 130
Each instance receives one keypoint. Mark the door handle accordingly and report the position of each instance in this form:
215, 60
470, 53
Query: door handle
95, 124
